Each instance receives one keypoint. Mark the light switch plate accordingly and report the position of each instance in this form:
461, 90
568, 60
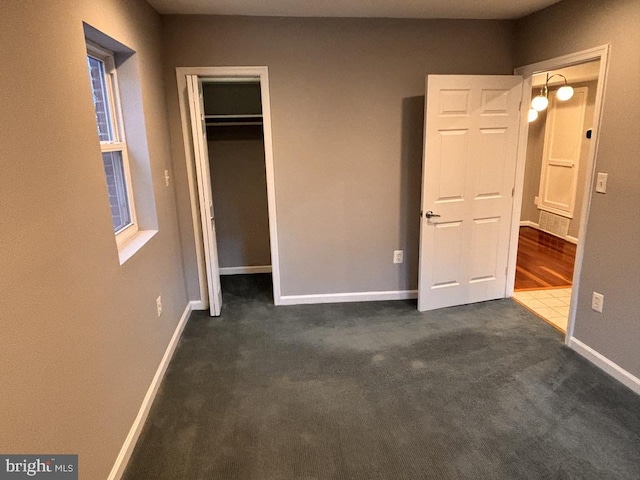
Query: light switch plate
597, 302
601, 182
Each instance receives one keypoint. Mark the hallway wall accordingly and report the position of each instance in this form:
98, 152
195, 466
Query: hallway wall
535, 150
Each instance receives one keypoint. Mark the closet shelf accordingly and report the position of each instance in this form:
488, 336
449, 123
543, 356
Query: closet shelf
233, 120
247, 115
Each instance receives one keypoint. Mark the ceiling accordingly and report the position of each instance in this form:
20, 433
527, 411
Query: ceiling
479, 9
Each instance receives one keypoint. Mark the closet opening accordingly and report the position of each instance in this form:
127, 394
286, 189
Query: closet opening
226, 119
235, 141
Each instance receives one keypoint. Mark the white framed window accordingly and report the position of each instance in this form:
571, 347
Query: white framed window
115, 159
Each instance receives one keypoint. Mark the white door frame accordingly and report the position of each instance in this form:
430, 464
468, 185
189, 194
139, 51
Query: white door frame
598, 53
262, 74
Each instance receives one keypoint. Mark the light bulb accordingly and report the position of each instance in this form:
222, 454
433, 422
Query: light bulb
533, 114
540, 103
564, 93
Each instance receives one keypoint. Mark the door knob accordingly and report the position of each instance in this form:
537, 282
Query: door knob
430, 214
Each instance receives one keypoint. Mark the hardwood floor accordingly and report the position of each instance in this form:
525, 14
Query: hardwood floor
544, 261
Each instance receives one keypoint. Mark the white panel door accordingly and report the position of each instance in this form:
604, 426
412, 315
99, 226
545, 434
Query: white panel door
468, 174
561, 155
201, 153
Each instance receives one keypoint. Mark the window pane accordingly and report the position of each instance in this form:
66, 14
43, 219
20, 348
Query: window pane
100, 98
117, 187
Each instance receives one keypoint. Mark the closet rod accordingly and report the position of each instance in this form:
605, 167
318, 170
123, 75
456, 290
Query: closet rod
230, 124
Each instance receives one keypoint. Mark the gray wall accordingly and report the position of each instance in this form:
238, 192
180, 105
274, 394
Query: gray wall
239, 187
612, 256
80, 339
347, 98
535, 149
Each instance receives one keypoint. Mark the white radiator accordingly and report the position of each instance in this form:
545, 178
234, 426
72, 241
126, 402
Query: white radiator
554, 224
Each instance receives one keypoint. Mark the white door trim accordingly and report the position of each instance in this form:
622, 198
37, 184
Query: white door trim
262, 74
598, 53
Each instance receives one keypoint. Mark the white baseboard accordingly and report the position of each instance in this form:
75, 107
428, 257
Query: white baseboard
197, 305
130, 442
348, 297
244, 270
571, 239
529, 223
602, 362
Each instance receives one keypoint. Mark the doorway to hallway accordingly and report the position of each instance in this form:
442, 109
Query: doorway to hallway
556, 190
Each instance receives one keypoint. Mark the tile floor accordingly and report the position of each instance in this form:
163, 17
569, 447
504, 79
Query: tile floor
552, 304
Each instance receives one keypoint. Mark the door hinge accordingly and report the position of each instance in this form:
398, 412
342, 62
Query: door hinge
513, 191
520, 106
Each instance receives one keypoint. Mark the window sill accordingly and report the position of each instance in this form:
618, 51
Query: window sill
135, 243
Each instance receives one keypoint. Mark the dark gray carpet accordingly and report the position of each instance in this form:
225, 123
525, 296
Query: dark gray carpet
380, 391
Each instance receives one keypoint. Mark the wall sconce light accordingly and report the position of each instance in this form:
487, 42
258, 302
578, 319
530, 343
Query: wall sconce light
541, 101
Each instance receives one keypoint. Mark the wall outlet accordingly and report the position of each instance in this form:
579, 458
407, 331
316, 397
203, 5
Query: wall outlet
597, 302
159, 305
398, 256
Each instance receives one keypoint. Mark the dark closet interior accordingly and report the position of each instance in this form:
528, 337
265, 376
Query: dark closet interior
235, 137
